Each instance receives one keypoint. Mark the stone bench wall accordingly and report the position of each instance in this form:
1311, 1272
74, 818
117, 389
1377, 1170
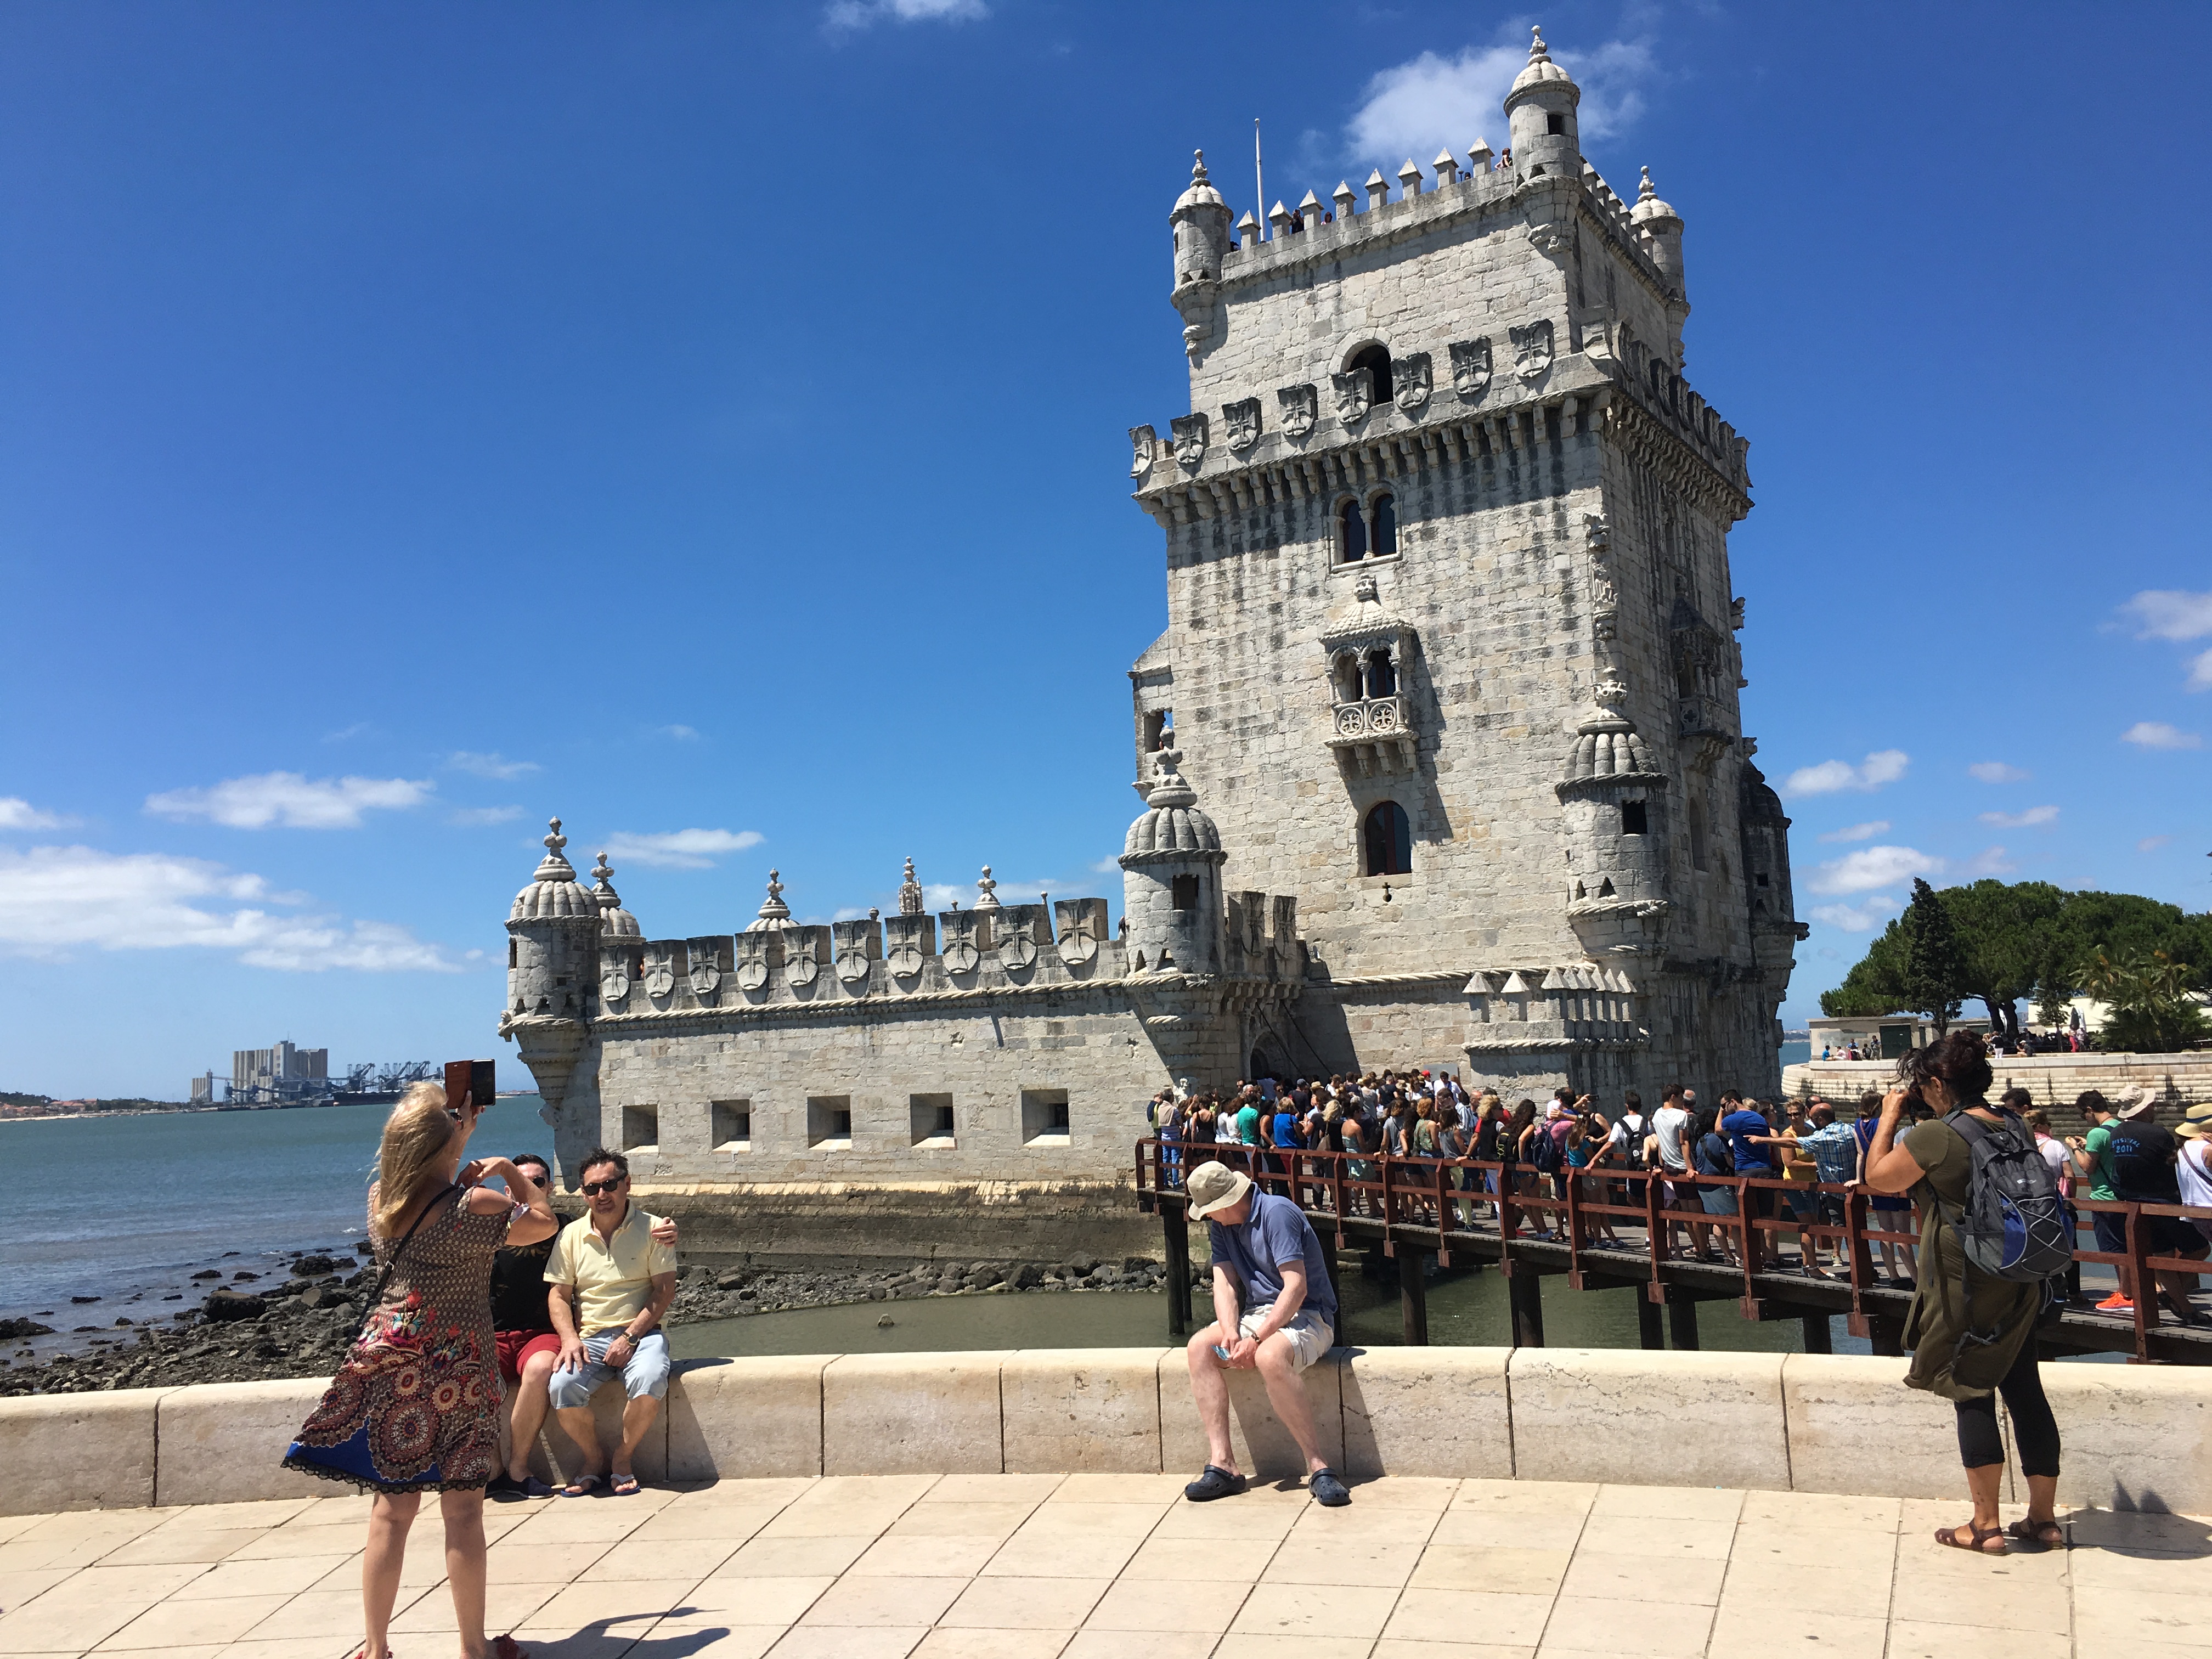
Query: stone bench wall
2054, 1080
2135, 1436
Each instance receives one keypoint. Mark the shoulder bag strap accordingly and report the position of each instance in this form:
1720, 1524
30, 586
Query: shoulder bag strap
390, 1261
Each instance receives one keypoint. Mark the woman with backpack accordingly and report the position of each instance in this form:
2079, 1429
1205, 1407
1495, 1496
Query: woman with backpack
1971, 1331
1512, 1143
1710, 1156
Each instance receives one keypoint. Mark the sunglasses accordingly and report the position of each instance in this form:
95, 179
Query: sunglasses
593, 1189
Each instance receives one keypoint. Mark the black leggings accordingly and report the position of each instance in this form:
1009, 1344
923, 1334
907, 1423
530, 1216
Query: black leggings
2033, 1428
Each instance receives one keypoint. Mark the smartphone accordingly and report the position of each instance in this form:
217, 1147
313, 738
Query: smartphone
1221, 1353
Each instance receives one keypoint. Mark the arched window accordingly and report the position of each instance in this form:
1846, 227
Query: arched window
1375, 360
1389, 840
1381, 673
1186, 893
1383, 526
1352, 545
1346, 672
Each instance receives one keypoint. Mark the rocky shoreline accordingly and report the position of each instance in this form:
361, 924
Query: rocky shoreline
248, 1330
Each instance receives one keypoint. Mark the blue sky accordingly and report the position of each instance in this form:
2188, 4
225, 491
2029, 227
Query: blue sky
707, 422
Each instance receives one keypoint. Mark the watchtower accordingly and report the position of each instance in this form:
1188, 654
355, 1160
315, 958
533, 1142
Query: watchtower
1450, 619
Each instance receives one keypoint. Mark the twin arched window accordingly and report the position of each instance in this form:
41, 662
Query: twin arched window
1368, 532
1388, 839
1361, 675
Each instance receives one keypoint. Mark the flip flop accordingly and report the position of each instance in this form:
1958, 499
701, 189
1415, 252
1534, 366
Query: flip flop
625, 1485
582, 1487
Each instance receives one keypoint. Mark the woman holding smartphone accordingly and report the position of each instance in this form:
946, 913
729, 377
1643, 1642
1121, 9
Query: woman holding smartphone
415, 1407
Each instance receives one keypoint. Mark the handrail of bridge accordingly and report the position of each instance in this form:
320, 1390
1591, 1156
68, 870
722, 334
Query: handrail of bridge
1391, 1190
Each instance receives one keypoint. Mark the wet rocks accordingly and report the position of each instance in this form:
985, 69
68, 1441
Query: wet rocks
225, 1304
11, 1328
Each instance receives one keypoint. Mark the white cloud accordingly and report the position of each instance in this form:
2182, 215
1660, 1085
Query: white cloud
1997, 772
1990, 861
64, 897
1111, 864
493, 765
2027, 820
287, 799
680, 849
2200, 671
2157, 734
1859, 918
2169, 614
680, 734
345, 732
943, 895
1871, 868
1858, 831
1883, 766
477, 817
1432, 101
865, 13
16, 813
2152, 843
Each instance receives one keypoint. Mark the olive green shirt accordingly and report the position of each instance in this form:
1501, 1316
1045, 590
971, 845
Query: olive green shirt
1966, 1329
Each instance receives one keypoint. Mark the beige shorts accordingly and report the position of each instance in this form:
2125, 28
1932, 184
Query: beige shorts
1308, 1333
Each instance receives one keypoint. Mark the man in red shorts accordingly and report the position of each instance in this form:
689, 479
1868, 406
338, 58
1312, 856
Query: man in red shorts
528, 1346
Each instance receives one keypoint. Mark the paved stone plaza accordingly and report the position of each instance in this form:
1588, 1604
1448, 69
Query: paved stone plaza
1093, 1565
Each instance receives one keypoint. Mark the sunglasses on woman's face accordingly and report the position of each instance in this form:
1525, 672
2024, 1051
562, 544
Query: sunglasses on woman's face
593, 1189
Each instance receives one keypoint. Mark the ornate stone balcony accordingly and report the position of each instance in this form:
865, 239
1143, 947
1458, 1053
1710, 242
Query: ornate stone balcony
1374, 733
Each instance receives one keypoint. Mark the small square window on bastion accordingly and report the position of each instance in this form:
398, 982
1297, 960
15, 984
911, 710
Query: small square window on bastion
931, 1121
1044, 1117
730, 1126
641, 1129
830, 1122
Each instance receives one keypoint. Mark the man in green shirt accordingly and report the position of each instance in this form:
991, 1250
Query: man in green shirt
2092, 1159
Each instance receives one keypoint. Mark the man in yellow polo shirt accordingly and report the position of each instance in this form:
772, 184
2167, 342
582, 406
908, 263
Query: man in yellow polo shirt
611, 1284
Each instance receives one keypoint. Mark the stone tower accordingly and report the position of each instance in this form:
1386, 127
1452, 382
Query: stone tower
1171, 878
1450, 643
553, 965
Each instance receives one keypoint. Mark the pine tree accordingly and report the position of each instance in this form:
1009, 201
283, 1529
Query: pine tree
1934, 977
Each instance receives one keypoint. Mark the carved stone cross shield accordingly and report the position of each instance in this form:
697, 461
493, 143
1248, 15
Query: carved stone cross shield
1353, 390
659, 971
1410, 380
1532, 350
614, 976
706, 969
907, 941
1018, 948
1190, 432
960, 952
753, 959
853, 954
802, 958
1471, 366
1144, 445
1242, 420
1298, 407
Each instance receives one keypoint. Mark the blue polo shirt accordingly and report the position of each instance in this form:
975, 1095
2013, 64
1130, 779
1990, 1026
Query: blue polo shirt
1255, 1248
1738, 1126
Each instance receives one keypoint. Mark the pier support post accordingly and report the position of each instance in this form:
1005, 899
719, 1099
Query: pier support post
1682, 1324
1649, 1332
1525, 1294
1412, 1299
1887, 1333
1335, 1284
1816, 1334
1177, 1226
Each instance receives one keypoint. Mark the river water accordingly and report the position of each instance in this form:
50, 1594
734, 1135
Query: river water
131, 1207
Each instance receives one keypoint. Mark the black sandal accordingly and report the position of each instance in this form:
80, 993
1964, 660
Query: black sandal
1951, 1537
2046, 1534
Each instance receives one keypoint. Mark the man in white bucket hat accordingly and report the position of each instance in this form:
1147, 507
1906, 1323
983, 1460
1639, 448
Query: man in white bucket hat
1274, 1312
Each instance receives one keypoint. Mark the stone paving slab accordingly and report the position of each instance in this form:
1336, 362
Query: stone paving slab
1108, 1566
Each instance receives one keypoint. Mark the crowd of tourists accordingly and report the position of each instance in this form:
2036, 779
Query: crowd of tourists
1815, 1152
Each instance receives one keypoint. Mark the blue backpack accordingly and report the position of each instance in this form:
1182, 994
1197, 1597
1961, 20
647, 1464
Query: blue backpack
1545, 1152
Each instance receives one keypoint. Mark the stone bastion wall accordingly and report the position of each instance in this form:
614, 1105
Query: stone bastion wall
2136, 1437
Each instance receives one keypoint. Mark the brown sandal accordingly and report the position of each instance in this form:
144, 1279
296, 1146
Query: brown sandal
1954, 1538
2046, 1534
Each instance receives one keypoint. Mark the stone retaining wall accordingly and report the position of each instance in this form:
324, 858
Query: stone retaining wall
2182, 1080
2136, 1437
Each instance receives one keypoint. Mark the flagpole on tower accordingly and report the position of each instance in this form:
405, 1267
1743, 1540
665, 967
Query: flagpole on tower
1258, 191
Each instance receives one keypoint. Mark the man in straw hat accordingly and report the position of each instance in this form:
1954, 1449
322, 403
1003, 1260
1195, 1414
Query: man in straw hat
1267, 1262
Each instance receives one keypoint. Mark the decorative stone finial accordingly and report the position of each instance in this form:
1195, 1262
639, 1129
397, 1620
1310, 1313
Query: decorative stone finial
603, 873
1198, 167
557, 840
1172, 788
1648, 190
990, 891
909, 893
1537, 54
553, 867
773, 912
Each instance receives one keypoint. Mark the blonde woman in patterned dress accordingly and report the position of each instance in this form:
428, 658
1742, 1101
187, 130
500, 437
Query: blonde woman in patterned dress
415, 1407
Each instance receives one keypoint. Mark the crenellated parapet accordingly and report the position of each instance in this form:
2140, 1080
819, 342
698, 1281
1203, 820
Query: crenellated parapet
1584, 1005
